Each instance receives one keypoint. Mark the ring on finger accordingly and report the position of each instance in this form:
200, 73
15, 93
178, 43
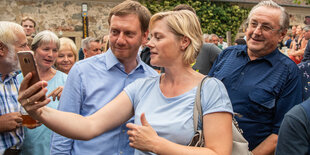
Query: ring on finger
28, 101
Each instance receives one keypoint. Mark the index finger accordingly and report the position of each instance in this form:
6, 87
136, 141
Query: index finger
25, 83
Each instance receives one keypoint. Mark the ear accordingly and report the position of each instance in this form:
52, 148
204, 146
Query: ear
185, 41
2, 49
282, 34
85, 52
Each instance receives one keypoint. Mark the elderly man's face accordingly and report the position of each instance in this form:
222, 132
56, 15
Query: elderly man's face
10, 57
263, 32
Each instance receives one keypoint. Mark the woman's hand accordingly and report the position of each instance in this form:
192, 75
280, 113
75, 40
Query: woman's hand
28, 96
56, 93
142, 137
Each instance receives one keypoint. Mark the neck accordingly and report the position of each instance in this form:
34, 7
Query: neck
46, 74
178, 73
129, 65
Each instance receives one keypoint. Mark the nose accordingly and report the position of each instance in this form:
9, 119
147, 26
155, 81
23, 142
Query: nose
150, 43
66, 58
258, 30
27, 48
121, 39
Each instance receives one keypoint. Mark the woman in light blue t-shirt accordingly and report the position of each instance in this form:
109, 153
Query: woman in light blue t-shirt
162, 105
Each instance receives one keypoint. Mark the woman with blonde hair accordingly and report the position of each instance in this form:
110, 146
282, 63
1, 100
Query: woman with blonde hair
162, 105
67, 55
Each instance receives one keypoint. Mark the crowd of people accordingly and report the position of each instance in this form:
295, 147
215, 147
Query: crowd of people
135, 89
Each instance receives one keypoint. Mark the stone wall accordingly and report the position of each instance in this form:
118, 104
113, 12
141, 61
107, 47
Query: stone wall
64, 17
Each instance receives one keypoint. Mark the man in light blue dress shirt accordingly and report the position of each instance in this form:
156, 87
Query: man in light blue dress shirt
94, 82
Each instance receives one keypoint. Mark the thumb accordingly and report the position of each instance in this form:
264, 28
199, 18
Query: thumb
143, 120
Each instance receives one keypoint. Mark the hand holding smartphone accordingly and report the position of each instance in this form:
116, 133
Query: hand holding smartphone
27, 64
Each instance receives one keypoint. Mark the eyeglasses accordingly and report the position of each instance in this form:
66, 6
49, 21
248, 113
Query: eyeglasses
263, 27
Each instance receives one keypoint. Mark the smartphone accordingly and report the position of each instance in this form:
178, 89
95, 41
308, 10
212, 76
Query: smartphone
28, 64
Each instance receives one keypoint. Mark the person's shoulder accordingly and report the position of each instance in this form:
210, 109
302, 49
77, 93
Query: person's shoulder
287, 62
212, 82
61, 74
145, 82
148, 79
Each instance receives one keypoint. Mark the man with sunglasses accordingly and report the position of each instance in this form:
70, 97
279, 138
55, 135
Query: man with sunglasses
262, 83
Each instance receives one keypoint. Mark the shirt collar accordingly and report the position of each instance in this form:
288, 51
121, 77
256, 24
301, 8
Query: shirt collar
112, 61
269, 58
10, 75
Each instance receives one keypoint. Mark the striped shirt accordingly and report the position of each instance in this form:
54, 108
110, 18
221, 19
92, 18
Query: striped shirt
8, 104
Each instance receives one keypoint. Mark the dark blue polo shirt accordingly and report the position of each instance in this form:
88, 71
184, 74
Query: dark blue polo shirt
262, 90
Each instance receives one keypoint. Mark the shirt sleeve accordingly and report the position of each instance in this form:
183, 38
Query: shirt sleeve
70, 101
132, 91
214, 97
214, 52
290, 96
293, 135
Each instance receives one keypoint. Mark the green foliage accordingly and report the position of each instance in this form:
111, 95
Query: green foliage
215, 17
300, 1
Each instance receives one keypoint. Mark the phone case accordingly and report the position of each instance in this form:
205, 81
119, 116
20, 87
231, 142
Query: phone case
27, 64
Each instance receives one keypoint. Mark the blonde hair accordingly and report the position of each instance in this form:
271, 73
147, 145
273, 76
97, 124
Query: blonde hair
67, 43
183, 23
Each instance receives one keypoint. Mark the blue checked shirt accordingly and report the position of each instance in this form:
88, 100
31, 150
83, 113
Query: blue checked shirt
9, 104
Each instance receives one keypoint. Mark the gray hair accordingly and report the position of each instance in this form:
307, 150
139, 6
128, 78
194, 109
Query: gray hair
306, 28
86, 42
284, 18
9, 31
206, 36
43, 38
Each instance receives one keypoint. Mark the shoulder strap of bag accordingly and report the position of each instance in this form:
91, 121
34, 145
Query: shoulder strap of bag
197, 106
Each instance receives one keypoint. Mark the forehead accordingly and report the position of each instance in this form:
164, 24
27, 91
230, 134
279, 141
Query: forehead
21, 38
129, 21
28, 22
266, 15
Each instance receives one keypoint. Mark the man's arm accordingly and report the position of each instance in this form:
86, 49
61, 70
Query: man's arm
267, 147
10, 122
70, 101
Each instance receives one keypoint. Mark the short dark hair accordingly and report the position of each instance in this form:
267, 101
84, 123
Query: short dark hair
132, 7
30, 19
184, 7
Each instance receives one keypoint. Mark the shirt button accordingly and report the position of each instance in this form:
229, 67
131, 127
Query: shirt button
123, 131
242, 73
121, 152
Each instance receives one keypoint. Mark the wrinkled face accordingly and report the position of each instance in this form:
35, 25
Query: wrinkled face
28, 27
94, 49
215, 40
10, 52
46, 55
126, 37
263, 32
164, 45
65, 60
